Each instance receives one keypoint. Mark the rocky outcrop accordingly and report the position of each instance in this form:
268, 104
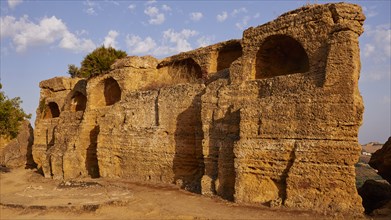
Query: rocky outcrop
272, 118
376, 197
18, 151
381, 161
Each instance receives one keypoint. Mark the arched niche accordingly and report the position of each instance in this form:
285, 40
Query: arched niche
228, 54
78, 102
107, 92
112, 91
280, 55
186, 69
51, 111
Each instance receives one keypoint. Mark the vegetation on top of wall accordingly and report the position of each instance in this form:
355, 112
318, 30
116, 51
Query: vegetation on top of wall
96, 63
11, 114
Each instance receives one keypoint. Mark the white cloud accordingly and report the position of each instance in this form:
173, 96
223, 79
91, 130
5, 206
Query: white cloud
222, 17
175, 42
205, 41
25, 33
172, 42
150, 2
257, 15
380, 42
155, 17
166, 8
81, 32
89, 3
132, 7
90, 11
71, 42
91, 7
113, 2
13, 3
238, 11
376, 73
368, 50
370, 11
110, 39
243, 23
137, 45
196, 16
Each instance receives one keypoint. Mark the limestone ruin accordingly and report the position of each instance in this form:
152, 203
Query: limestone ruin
271, 118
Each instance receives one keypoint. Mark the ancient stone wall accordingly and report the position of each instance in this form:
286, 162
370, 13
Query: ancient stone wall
272, 118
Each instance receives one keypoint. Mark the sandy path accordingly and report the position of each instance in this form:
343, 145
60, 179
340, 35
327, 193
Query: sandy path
27, 195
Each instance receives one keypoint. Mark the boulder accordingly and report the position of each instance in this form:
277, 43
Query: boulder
376, 197
17, 152
381, 161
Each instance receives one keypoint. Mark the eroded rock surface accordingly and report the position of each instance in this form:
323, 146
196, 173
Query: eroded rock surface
271, 118
381, 161
18, 151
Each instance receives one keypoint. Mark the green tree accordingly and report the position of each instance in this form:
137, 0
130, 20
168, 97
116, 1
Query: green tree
11, 114
97, 62
74, 71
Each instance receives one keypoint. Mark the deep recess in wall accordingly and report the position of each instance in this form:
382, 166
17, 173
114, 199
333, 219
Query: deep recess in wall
52, 111
280, 55
78, 102
112, 91
227, 55
186, 69
92, 164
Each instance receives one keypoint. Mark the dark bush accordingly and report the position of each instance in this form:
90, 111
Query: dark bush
11, 115
97, 62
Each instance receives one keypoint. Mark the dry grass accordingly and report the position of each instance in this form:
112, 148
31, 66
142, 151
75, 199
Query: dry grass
177, 74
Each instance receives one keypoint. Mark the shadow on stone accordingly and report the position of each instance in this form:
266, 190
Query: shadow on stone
188, 164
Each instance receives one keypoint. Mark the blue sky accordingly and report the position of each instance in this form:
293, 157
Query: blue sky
40, 38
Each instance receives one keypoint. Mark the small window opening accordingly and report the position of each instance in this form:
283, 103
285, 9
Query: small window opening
112, 91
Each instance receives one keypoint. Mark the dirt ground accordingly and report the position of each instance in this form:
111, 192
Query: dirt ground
25, 194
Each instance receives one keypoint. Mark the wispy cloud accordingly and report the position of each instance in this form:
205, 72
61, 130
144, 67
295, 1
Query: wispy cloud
370, 11
166, 8
155, 17
237, 11
91, 7
175, 42
112, 2
150, 2
205, 41
242, 24
368, 50
196, 16
25, 33
132, 7
13, 3
172, 42
222, 17
379, 45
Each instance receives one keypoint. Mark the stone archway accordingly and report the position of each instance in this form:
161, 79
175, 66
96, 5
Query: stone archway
280, 55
